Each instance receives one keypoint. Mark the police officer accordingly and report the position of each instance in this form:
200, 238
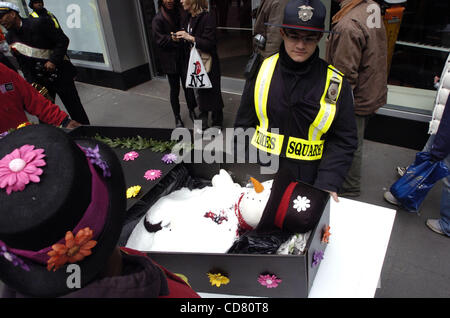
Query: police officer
41, 51
301, 106
39, 12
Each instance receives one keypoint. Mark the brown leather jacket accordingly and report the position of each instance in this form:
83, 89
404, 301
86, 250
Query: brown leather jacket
358, 48
270, 11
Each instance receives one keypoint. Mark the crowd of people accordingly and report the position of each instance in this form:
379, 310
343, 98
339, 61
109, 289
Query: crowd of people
310, 112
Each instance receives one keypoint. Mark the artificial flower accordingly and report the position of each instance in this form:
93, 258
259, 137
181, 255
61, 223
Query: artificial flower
130, 156
152, 174
27, 123
133, 191
95, 158
169, 158
326, 235
270, 281
317, 257
16, 261
4, 134
74, 250
20, 167
218, 279
302, 203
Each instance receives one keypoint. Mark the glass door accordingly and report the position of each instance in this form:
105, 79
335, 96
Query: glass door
234, 34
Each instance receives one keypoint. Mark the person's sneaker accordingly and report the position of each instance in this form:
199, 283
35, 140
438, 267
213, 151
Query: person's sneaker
390, 198
433, 224
401, 171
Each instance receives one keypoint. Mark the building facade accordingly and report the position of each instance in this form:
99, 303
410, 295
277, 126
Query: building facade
111, 45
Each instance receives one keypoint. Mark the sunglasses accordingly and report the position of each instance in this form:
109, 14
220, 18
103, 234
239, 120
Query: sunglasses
309, 39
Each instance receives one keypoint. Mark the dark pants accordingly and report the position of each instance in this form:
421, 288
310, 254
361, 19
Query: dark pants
174, 83
68, 93
352, 182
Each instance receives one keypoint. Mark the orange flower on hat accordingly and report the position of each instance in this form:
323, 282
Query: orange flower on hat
74, 250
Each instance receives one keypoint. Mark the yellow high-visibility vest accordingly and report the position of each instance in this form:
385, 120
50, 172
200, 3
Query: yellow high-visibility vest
297, 148
35, 15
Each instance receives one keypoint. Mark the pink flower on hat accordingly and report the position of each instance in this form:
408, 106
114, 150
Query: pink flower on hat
20, 167
152, 174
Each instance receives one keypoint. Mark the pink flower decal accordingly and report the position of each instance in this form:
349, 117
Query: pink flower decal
130, 156
270, 281
152, 174
20, 167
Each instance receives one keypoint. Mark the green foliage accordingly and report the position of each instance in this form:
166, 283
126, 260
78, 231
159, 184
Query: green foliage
137, 143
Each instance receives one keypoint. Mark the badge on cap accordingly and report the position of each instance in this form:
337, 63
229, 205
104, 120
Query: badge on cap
305, 13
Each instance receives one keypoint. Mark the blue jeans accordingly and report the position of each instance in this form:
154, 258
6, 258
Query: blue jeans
444, 221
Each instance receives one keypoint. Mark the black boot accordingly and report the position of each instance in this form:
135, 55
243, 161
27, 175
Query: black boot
192, 115
204, 118
178, 122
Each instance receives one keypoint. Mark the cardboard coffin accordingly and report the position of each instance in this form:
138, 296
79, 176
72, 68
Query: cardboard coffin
296, 272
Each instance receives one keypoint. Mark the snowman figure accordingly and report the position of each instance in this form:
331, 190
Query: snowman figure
251, 204
199, 220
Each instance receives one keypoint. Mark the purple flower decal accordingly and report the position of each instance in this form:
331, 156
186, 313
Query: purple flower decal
16, 261
3, 134
270, 281
317, 257
169, 158
94, 157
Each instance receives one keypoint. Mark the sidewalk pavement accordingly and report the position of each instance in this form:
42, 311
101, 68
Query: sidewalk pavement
417, 260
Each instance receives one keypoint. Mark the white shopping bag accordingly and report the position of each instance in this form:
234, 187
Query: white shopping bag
197, 77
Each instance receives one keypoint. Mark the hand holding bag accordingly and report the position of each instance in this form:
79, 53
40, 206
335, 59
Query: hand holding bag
411, 189
197, 76
206, 59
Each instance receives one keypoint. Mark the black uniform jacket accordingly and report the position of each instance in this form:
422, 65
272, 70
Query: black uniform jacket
293, 104
169, 53
204, 30
41, 34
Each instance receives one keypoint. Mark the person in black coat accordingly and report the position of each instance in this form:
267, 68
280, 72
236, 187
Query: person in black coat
200, 28
171, 57
41, 51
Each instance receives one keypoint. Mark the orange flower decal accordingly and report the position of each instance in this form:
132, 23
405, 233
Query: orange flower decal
74, 250
326, 235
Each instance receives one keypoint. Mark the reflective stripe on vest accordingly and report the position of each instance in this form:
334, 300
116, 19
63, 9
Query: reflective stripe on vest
35, 15
54, 19
31, 51
297, 148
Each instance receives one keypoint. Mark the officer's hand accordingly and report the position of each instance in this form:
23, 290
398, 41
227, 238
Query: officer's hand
334, 196
49, 66
73, 124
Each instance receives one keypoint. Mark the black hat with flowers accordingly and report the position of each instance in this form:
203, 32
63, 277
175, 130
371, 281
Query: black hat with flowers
306, 15
62, 202
293, 206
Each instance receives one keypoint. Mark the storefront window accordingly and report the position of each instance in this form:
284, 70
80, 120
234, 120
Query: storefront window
423, 44
234, 34
80, 21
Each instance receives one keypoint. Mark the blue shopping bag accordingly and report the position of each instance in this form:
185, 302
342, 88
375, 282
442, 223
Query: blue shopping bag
411, 189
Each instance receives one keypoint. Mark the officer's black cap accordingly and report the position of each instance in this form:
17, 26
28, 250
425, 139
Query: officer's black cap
307, 15
30, 4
